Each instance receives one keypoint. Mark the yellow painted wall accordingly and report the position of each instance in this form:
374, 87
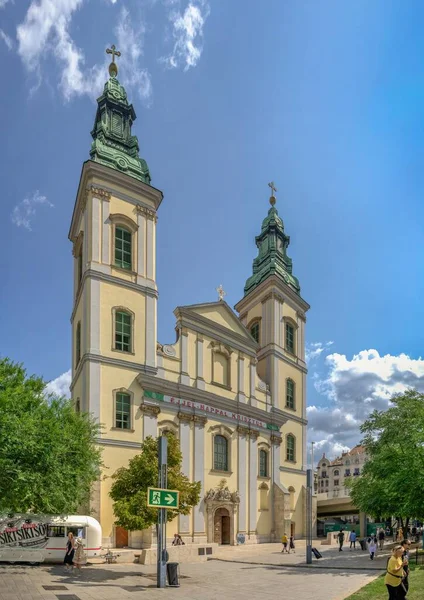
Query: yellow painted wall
113, 378
295, 429
110, 296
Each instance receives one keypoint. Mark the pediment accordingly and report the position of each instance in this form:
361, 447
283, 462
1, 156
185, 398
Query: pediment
217, 316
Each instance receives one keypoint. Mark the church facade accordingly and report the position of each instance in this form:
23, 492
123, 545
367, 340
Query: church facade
232, 387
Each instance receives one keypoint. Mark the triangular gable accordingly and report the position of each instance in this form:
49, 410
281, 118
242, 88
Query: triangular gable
221, 314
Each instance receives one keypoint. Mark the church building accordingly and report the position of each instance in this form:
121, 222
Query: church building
232, 387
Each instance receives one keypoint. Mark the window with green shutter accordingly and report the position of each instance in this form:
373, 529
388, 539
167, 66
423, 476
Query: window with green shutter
123, 411
123, 248
290, 448
220, 456
290, 338
78, 344
123, 333
290, 394
263, 463
254, 331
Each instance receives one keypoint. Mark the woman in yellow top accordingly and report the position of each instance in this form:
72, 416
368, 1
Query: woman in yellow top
395, 573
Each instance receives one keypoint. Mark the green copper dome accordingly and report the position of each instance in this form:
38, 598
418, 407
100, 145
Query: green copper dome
272, 258
113, 145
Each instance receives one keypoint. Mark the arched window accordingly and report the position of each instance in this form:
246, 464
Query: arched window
220, 453
123, 331
347, 463
255, 331
336, 473
123, 248
290, 448
123, 411
78, 344
263, 463
290, 390
77, 405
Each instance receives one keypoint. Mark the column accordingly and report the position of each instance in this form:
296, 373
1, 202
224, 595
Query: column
241, 393
276, 441
95, 229
94, 341
85, 239
106, 258
150, 248
150, 330
94, 388
141, 242
242, 477
200, 381
184, 378
199, 471
185, 419
253, 383
253, 488
150, 420
304, 430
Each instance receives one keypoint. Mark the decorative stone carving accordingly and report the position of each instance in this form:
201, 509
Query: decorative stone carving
262, 386
169, 350
99, 192
149, 409
216, 500
254, 434
276, 439
201, 421
185, 417
222, 494
243, 430
147, 212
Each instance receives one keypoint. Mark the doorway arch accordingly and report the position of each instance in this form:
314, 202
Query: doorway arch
222, 526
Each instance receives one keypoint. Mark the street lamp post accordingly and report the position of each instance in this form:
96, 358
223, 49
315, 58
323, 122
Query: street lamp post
309, 490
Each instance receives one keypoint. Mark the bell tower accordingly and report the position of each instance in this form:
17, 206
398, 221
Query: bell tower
274, 312
114, 324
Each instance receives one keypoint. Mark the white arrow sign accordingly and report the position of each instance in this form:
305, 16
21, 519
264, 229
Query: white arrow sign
169, 499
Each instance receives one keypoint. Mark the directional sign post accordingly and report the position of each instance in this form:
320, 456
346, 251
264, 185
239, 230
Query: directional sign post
162, 498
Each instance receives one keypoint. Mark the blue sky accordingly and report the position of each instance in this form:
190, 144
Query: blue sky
326, 98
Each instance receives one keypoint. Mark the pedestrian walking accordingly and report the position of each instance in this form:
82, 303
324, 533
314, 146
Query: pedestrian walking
284, 541
372, 547
79, 556
395, 572
291, 545
70, 551
352, 539
340, 539
381, 536
400, 534
404, 587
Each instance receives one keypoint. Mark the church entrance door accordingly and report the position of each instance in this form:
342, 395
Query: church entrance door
222, 526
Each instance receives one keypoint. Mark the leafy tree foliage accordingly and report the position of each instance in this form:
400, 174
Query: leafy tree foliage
129, 488
392, 481
48, 456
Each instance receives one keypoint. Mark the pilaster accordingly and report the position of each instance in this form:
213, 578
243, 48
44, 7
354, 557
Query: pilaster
141, 243
106, 258
241, 391
199, 470
150, 420
200, 382
184, 377
253, 474
252, 383
185, 431
243, 433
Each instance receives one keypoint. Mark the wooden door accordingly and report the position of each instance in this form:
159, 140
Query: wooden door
225, 530
292, 528
121, 537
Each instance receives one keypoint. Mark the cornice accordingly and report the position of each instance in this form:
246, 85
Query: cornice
100, 276
179, 390
120, 443
288, 416
108, 178
280, 289
272, 350
115, 362
294, 471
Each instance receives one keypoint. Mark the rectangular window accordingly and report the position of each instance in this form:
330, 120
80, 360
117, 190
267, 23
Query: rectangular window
254, 331
220, 459
123, 411
347, 473
324, 474
263, 463
336, 482
123, 256
289, 338
290, 394
123, 332
356, 472
55, 531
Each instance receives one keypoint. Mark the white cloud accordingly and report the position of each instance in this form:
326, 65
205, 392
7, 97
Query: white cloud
47, 24
187, 31
60, 385
6, 39
24, 212
355, 387
3, 3
315, 349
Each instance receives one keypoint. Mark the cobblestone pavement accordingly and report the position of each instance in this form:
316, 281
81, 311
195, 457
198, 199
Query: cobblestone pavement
199, 581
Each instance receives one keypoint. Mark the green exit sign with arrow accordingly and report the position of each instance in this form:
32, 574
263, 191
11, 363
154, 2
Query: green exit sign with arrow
160, 498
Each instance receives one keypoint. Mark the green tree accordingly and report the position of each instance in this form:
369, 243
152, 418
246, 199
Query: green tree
392, 481
129, 488
48, 455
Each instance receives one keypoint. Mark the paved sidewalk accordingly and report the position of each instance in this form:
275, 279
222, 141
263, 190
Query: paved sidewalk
200, 581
